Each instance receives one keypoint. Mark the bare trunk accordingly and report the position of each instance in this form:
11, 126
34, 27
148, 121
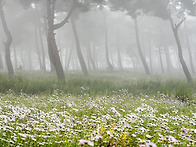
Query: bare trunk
42, 50
69, 58
119, 55
168, 59
60, 46
180, 54
52, 47
37, 47
79, 53
110, 66
1, 63
94, 54
161, 60
23, 66
30, 60
15, 58
42, 53
92, 62
8, 41
54, 56
139, 48
189, 48
150, 55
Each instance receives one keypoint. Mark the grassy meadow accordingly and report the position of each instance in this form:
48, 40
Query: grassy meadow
105, 109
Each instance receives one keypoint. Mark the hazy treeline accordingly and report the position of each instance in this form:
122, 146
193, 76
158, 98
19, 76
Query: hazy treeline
59, 35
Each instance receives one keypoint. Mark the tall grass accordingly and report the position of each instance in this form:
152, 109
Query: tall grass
76, 84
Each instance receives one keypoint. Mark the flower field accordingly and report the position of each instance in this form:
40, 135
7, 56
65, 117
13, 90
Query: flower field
118, 120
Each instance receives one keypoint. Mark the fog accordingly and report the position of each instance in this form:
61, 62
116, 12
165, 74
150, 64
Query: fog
100, 73
106, 38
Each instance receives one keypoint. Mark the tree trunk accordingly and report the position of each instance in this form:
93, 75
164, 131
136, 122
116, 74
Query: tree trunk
8, 42
150, 55
94, 54
1, 63
42, 50
161, 60
118, 51
110, 66
139, 48
69, 58
37, 47
79, 53
90, 56
180, 54
168, 59
42, 54
23, 66
60, 46
119, 57
52, 47
30, 60
189, 48
15, 58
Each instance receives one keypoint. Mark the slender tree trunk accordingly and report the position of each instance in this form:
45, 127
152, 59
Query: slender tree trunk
140, 49
94, 54
8, 42
89, 53
15, 58
178, 64
30, 60
161, 60
42, 49
39, 34
150, 55
110, 66
23, 66
189, 48
52, 47
168, 59
37, 46
88, 60
118, 51
43, 52
60, 46
79, 53
1, 63
69, 58
180, 54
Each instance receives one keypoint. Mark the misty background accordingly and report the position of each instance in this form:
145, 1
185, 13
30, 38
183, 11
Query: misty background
106, 34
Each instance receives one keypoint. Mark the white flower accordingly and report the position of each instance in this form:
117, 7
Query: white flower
115, 112
148, 136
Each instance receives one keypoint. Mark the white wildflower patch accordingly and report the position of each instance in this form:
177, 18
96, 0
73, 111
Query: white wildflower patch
122, 120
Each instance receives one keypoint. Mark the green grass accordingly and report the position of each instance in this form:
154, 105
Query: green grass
97, 83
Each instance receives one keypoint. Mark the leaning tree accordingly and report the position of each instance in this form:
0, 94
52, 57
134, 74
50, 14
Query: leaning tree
171, 10
8, 42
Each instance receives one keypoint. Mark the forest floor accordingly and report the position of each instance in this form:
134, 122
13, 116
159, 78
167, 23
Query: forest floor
102, 110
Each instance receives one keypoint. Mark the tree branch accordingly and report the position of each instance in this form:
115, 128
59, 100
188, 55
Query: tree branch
179, 24
59, 25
